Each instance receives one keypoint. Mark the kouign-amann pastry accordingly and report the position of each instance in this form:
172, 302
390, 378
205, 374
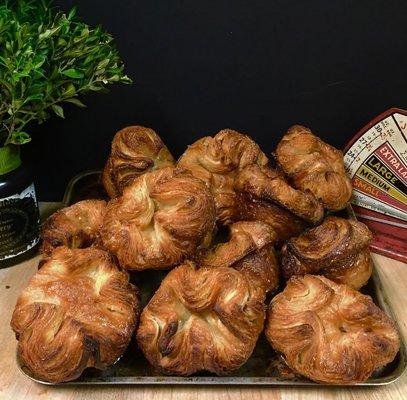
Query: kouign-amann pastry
76, 226
329, 332
354, 272
135, 150
202, 319
161, 218
337, 249
250, 250
79, 310
216, 160
265, 195
313, 164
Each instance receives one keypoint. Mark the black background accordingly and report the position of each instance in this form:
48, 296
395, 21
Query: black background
255, 66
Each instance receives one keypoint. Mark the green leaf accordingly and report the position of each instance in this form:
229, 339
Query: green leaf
89, 59
58, 110
32, 97
19, 138
75, 101
85, 32
62, 42
103, 64
95, 88
125, 79
72, 13
45, 35
70, 90
73, 73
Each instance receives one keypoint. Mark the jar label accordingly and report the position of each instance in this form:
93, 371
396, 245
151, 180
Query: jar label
19, 223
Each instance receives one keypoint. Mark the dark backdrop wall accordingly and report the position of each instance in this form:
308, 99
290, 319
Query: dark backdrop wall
255, 66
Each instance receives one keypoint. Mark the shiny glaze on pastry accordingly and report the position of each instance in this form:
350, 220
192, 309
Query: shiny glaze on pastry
250, 250
355, 272
202, 319
328, 332
265, 195
161, 218
337, 249
216, 160
76, 226
313, 164
135, 150
79, 310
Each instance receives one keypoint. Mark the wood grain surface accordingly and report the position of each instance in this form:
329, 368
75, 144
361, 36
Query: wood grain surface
15, 386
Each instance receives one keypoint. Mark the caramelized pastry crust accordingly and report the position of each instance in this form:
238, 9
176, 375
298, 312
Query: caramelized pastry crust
328, 332
264, 195
76, 226
216, 160
354, 273
250, 250
337, 249
313, 164
201, 319
135, 150
161, 218
79, 310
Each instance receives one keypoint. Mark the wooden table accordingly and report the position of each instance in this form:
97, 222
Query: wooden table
15, 386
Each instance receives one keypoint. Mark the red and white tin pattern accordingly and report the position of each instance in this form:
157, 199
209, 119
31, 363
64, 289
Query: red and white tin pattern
376, 160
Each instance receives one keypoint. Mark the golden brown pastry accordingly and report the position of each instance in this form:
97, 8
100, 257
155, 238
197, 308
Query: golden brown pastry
263, 194
313, 164
79, 310
216, 160
337, 249
328, 332
250, 250
161, 218
355, 273
135, 150
202, 319
76, 226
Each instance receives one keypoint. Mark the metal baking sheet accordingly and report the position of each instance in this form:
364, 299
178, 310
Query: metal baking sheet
261, 367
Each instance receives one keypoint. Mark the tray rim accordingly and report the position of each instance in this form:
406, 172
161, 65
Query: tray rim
66, 200
383, 303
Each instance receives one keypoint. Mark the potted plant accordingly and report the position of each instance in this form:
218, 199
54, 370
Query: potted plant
47, 58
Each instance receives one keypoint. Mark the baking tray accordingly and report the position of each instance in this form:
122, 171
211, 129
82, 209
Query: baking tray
260, 369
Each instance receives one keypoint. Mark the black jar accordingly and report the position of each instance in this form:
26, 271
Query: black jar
19, 214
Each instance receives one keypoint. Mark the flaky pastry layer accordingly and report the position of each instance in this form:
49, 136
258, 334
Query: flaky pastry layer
76, 226
313, 164
328, 332
201, 319
79, 310
135, 150
337, 249
216, 160
161, 219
